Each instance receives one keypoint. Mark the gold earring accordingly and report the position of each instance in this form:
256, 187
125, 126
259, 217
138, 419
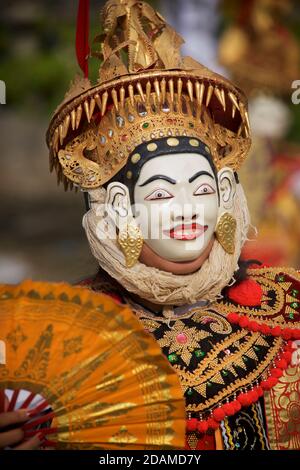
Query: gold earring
225, 232
131, 242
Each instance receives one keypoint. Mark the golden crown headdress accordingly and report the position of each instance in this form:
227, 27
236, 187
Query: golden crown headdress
146, 90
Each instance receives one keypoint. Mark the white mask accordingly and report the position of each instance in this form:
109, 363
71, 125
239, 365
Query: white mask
176, 203
181, 210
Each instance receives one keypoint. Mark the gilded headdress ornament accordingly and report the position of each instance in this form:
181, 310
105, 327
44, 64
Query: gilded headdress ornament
146, 90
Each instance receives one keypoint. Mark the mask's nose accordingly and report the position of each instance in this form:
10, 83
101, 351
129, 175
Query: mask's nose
185, 210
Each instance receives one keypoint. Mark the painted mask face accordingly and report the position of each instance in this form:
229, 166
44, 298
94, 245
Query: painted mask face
176, 205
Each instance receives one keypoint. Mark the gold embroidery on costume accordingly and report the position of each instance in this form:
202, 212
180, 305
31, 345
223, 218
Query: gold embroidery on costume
227, 358
217, 323
282, 405
182, 340
236, 385
280, 303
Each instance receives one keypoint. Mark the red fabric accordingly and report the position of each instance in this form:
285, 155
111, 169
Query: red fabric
82, 36
247, 292
219, 414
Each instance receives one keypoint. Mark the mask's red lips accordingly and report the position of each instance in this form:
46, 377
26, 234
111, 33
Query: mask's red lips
186, 231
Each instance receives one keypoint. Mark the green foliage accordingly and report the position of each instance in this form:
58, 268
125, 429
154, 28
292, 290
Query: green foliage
37, 79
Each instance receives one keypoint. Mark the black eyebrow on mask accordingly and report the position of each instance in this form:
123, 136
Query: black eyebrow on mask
200, 173
158, 177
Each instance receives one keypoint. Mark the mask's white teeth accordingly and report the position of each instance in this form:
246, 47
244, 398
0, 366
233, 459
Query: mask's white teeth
73, 119
209, 95
247, 119
122, 97
220, 98
190, 90
66, 125
92, 107
171, 89
243, 128
98, 101
78, 115
104, 103
141, 92
223, 99
87, 110
163, 86
114, 96
157, 90
235, 104
61, 134
179, 90
199, 89
131, 95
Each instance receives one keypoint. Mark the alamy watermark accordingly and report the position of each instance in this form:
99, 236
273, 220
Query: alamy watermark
296, 93
2, 353
179, 221
2, 92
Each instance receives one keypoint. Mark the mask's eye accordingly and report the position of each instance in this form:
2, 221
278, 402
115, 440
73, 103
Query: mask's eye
158, 194
204, 189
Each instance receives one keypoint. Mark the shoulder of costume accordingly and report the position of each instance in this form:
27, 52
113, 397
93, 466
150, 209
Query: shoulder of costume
266, 305
104, 284
267, 301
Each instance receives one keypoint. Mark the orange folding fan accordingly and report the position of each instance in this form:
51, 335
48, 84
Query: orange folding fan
83, 363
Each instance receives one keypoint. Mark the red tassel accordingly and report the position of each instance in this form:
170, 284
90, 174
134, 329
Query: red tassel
254, 326
244, 399
233, 317
219, 414
287, 333
251, 325
276, 331
265, 385
273, 381
237, 405
269, 383
259, 391
265, 329
191, 424
202, 426
247, 292
212, 423
229, 409
243, 322
287, 355
281, 363
276, 372
253, 395
82, 35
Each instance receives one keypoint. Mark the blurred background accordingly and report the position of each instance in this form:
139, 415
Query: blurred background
255, 42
